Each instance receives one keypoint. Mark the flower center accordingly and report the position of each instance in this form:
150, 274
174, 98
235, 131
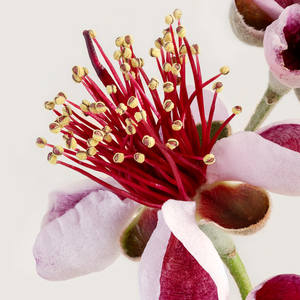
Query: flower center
147, 142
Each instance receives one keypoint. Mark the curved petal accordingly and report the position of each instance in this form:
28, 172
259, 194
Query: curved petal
284, 286
271, 7
195, 241
220, 113
287, 26
85, 238
248, 157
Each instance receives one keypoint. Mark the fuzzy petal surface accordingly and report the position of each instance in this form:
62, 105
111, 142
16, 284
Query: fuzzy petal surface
85, 238
275, 43
250, 158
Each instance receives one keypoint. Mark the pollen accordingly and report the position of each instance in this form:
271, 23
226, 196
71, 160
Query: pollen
111, 89
119, 157
41, 142
153, 84
169, 19
237, 110
58, 150
154, 52
209, 159
168, 87
148, 141
71, 143
54, 127
168, 105
139, 157
132, 102
225, 70
172, 144
159, 43
218, 87
52, 159
119, 41
177, 14
121, 109
81, 155
49, 105
180, 30
177, 125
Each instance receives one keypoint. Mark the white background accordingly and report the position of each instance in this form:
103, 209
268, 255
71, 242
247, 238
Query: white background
40, 42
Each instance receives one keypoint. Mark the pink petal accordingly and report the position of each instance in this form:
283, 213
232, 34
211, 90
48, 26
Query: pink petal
285, 286
180, 218
288, 24
221, 112
85, 238
248, 157
271, 7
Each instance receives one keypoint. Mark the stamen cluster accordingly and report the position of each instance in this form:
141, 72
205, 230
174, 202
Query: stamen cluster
147, 142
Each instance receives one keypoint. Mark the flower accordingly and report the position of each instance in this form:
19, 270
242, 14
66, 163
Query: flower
155, 152
282, 47
284, 286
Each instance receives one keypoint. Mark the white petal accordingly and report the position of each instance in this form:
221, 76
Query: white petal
180, 218
85, 238
150, 265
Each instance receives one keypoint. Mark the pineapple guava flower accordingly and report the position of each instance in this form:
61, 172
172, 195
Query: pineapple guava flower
160, 155
284, 286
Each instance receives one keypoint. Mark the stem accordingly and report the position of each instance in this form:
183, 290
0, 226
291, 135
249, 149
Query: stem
226, 248
273, 94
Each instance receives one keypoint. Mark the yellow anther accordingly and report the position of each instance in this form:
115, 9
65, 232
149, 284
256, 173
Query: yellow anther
85, 105
153, 84
79, 71
41, 142
168, 105
76, 78
108, 138
52, 159
49, 105
218, 86
111, 89
137, 62
139, 116
118, 157
195, 48
209, 159
92, 33
58, 150
67, 111
117, 55
91, 151
130, 129
59, 100
121, 109
98, 135
81, 155
168, 87
126, 53
148, 141
159, 43
100, 107
169, 47
183, 49
62, 94
63, 121
237, 110
168, 37
132, 102
107, 129
169, 19
176, 69
92, 142
180, 30
167, 67
172, 144
124, 68
139, 157
71, 143
177, 125
54, 127
129, 121
86, 71
225, 70
119, 41
177, 14
128, 40
165, 30
154, 52
182, 58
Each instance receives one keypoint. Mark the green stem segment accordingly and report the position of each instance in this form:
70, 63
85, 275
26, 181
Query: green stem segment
226, 248
273, 94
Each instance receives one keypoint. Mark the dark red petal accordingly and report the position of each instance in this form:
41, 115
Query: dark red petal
234, 206
136, 236
182, 278
285, 287
285, 135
